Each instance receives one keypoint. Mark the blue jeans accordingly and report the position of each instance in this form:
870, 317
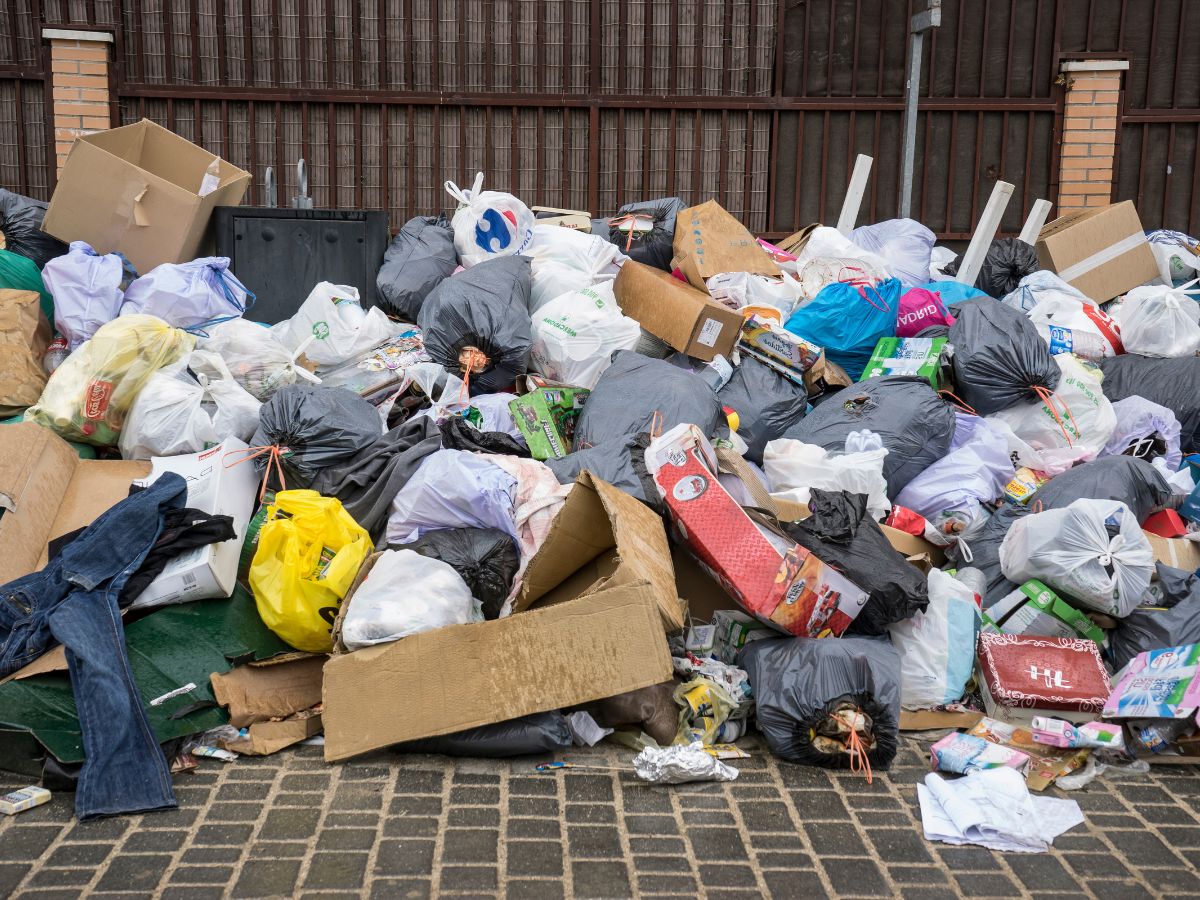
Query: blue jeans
73, 601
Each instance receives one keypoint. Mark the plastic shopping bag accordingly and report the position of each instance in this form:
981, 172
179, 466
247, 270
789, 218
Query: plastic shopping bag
1146, 430
87, 291
488, 223
1160, 321
563, 260
919, 309
848, 320
1076, 326
794, 468
575, 335
405, 593
1093, 550
1042, 285
309, 552
255, 357
89, 395
191, 295
905, 246
420, 257
339, 329
937, 646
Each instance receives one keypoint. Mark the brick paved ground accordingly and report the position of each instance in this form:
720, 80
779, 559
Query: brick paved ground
420, 825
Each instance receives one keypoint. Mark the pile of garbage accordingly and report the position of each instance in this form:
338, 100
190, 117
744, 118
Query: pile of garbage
644, 479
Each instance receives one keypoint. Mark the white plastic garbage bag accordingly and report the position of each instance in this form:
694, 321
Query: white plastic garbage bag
939, 258
937, 646
1176, 254
739, 289
575, 335
564, 260
794, 468
189, 295
905, 245
454, 489
86, 287
340, 330
405, 593
488, 223
1160, 321
1070, 325
1070, 549
817, 274
1042, 285
829, 242
1139, 420
257, 360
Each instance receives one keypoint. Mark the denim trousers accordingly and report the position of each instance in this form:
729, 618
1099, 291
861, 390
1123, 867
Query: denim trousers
73, 601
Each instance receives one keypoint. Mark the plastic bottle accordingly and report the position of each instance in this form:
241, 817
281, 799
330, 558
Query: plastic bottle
55, 354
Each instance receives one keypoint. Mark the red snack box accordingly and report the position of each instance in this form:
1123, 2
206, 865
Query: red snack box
1030, 673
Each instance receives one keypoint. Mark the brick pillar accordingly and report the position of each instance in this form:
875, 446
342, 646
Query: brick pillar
1089, 132
79, 62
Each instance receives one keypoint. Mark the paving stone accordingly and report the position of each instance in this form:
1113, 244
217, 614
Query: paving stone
202, 874
535, 890
588, 788
288, 824
210, 855
11, 874
267, 878
591, 813
151, 841
410, 826
133, 873
900, 845
46, 877
1142, 848
726, 875
415, 806
474, 817
926, 875
1107, 889
716, 843
820, 805
600, 879
407, 888
538, 787
835, 839
532, 806
336, 870
787, 859
27, 842
461, 845
657, 845
346, 839
79, 854
794, 885
533, 828
535, 858
666, 884
859, 877
192, 892
986, 886
404, 857
483, 796
458, 878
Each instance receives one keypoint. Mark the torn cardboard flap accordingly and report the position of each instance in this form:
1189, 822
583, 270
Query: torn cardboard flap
1178, 553
265, 738
260, 693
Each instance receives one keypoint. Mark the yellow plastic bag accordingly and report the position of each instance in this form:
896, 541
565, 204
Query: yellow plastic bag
309, 550
89, 395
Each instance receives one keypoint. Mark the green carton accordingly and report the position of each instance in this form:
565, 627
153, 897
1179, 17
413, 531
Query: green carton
907, 356
546, 418
1034, 608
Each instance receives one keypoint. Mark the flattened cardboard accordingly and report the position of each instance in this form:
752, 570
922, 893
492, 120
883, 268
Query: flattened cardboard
24, 336
709, 241
931, 719
258, 693
1083, 236
1175, 552
602, 538
265, 738
685, 318
135, 189
463, 676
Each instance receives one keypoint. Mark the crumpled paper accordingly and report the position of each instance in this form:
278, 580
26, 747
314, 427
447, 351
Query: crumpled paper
679, 764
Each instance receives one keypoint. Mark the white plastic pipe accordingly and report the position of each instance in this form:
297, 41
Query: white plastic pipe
854, 193
989, 224
1037, 218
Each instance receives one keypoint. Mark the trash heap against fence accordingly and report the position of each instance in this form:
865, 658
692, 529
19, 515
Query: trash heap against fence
534, 480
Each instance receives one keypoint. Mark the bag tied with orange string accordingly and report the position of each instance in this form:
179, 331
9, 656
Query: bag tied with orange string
646, 230
999, 358
827, 702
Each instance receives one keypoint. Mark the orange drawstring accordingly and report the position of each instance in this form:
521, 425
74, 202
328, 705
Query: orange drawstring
859, 761
1047, 398
958, 401
469, 358
631, 220
274, 454
656, 425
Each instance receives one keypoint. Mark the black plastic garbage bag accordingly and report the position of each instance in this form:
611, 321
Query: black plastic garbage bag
486, 558
999, 357
526, 736
1170, 623
1008, 260
916, 424
420, 257
480, 318
1173, 383
1133, 481
621, 463
807, 689
982, 552
841, 533
21, 223
459, 434
319, 427
654, 247
767, 404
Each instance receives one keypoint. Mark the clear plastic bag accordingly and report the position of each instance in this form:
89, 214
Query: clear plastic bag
189, 295
488, 224
794, 468
575, 335
1076, 326
333, 326
1160, 321
256, 358
86, 287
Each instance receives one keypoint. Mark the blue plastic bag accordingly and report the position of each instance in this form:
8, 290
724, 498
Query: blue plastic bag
955, 291
848, 320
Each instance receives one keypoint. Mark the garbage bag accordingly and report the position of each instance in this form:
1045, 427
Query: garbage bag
405, 593
810, 693
1175, 253
21, 224
1173, 383
331, 327
982, 551
767, 404
646, 230
652, 709
1146, 430
453, 489
951, 494
575, 335
937, 646
1075, 326
1042, 285
955, 292
1134, 482
459, 434
1159, 321
921, 309
1094, 551
318, 426
255, 357
488, 224
819, 272
794, 469
186, 407
848, 320
1007, 261
563, 260
915, 424
1170, 619
999, 358
485, 558
420, 257
477, 322
87, 291
88, 397
621, 463
543, 732
18, 273
830, 244
840, 532
309, 552
905, 246
191, 295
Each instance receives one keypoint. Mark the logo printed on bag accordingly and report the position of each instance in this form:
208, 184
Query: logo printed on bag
320, 330
491, 234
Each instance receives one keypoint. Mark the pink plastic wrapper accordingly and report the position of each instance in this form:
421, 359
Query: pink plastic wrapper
920, 308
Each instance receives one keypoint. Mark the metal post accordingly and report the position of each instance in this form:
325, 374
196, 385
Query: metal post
921, 22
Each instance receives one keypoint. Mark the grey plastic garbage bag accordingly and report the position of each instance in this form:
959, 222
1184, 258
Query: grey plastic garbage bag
1134, 482
480, 318
916, 424
527, 736
420, 257
999, 357
486, 558
982, 551
1173, 383
21, 224
319, 426
767, 404
653, 247
806, 689
1172, 621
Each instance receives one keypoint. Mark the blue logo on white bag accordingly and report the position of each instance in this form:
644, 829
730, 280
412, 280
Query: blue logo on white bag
492, 233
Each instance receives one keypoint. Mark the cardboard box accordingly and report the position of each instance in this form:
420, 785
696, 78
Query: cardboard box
136, 189
687, 319
907, 356
24, 336
1025, 676
1035, 609
766, 338
546, 418
1175, 552
575, 219
273, 701
1102, 252
217, 487
931, 719
734, 630
709, 241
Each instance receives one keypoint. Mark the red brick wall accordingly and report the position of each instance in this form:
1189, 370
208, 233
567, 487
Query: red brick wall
79, 74
1089, 138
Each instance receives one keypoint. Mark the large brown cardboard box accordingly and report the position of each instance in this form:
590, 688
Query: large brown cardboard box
136, 189
24, 336
595, 633
687, 319
1102, 252
709, 241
